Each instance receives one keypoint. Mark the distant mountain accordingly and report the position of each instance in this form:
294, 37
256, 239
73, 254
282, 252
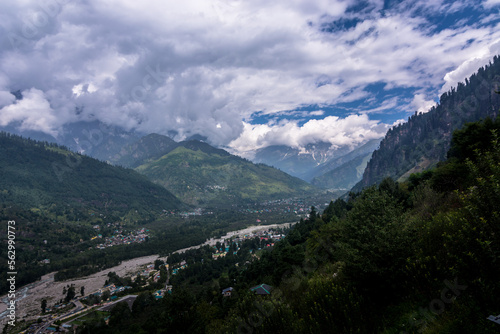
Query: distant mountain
150, 147
316, 160
38, 174
345, 176
297, 162
92, 138
200, 174
425, 139
358, 154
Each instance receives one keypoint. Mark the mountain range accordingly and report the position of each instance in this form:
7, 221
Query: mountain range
39, 173
410, 147
131, 149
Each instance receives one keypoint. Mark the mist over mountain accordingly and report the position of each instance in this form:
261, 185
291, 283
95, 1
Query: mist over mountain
345, 171
152, 146
316, 161
93, 138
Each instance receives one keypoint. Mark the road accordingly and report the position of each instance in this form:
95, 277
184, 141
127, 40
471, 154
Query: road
79, 307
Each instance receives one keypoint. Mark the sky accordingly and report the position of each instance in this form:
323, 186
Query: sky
244, 74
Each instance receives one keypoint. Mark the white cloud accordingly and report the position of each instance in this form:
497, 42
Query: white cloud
491, 3
349, 131
317, 113
421, 104
33, 111
479, 58
6, 98
199, 66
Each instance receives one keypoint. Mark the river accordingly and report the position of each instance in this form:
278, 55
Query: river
29, 297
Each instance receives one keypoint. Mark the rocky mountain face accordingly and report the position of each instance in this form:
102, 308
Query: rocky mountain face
424, 140
314, 160
92, 138
341, 162
345, 176
298, 162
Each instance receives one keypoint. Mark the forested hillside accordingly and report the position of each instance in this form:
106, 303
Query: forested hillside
39, 174
56, 197
414, 257
150, 147
424, 140
200, 174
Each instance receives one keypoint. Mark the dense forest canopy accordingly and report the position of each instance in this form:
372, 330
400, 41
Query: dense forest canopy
413, 257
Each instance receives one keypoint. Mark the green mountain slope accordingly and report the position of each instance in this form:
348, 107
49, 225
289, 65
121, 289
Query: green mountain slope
345, 176
424, 140
150, 147
37, 174
200, 174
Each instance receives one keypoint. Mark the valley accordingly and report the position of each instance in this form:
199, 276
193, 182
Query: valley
295, 167
47, 288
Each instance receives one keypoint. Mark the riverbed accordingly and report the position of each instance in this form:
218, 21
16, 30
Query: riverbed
29, 297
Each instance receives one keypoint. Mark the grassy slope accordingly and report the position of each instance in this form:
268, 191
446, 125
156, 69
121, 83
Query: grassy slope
200, 177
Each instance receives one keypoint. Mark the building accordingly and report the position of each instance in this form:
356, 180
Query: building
227, 292
262, 289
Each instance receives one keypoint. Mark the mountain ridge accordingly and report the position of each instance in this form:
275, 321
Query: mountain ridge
41, 174
424, 140
200, 174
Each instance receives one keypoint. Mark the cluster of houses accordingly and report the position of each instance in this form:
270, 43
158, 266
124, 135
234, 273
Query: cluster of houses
137, 236
261, 290
268, 237
289, 205
146, 272
161, 293
112, 289
182, 265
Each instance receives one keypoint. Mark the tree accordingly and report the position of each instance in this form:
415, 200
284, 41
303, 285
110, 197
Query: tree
119, 314
158, 263
142, 301
105, 295
82, 291
44, 305
71, 294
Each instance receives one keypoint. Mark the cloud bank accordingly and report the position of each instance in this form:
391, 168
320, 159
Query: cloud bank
209, 67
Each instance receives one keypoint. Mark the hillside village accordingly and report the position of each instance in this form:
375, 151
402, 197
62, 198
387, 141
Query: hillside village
155, 278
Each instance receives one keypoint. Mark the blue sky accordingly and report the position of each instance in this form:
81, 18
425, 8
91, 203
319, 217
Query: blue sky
245, 74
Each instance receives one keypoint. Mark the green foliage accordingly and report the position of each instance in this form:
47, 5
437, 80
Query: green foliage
473, 137
425, 139
413, 257
44, 305
42, 175
119, 314
200, 174
71, 293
